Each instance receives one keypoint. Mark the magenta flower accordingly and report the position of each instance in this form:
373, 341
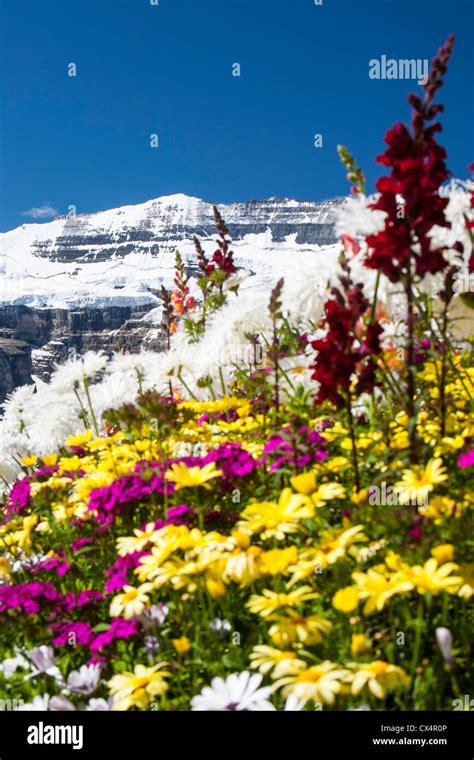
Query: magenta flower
52, 563
294, 447
18, 499
27, 597
77, 631
179, 515
113, 500
88, 597
234, 462
118, 629
117, 573
80, 542
467, 459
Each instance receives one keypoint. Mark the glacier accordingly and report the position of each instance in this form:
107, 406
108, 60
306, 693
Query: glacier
122, 256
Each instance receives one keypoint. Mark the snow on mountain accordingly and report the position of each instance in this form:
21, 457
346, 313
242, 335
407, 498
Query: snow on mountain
120, 256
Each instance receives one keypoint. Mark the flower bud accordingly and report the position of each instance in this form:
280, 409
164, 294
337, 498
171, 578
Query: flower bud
444, 638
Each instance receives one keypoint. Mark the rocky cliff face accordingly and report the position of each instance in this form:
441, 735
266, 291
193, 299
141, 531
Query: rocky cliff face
57, 334
15, 365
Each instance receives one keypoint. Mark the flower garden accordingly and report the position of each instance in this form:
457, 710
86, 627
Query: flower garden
276, 512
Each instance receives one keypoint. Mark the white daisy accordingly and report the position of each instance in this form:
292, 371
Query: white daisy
304, 294
75, 370
356, 219
40, 703
44, 661
9, 666
100, 705
61, 704
84, 680
293, 704
239, 691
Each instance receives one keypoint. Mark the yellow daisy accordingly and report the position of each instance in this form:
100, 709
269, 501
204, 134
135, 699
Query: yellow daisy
275, 520
277, 561
281, 662
431, 578
379, 677
191, 477
319, 683
293, 627
417, 483
131, 602
346, 599
377, 588
138, 688
243, 566
360, 644
443, 553
138, 542
182, 645
271, 601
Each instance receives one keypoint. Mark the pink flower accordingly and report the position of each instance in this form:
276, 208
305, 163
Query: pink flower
467, 459
52, 563
119, 629
76, 631
79, 543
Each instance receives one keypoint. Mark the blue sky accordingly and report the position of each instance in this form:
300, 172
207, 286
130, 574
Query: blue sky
167, 69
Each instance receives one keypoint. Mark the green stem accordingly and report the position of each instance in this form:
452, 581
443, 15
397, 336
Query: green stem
374, 303
84, 416
355, 461
186, 386
411, 412
89, 401
416, 649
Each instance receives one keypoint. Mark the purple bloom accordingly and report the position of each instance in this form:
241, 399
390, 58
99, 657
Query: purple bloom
234, 461
45, 472
116, 582
27, 596
114, 499
118, 629
467, 459
294, 447
77, 631
52, 563
421, 351
220, 520
88, 597
80, 542
179, 515
67, 603
19, 498
79, 451
98, 659
31, 607
117, 573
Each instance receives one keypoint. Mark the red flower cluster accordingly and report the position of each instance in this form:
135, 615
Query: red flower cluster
470, 225
223, 257
410, 196
347, 348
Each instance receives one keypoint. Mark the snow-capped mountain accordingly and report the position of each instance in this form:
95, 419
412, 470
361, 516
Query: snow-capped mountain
114, 257
91, 281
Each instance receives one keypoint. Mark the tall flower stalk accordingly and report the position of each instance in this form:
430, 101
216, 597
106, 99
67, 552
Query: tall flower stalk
274, 348
409, 196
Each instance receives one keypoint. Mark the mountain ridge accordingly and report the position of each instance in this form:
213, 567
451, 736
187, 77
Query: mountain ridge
113, 257
92, 281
